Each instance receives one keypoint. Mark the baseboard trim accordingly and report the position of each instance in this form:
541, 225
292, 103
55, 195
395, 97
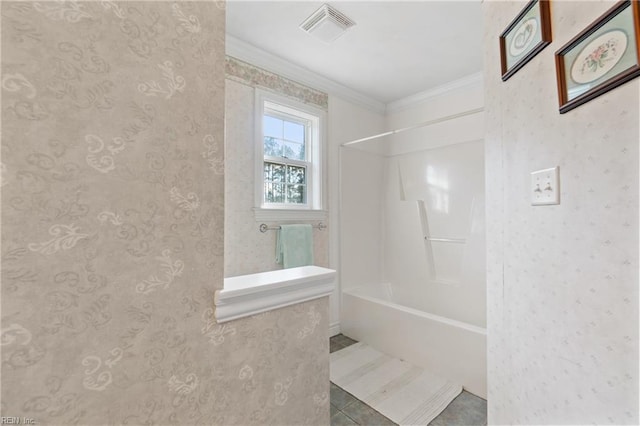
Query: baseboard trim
334, 329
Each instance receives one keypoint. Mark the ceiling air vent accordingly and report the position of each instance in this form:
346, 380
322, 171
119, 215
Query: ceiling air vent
327, 23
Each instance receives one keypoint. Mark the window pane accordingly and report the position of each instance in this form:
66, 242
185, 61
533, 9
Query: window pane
268, 173
272, 126
274, 172
286, 132
296, 194
294, 132
294, 151
272, 146
274, 192
296, 174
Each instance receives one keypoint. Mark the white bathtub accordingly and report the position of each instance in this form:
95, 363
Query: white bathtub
452, 349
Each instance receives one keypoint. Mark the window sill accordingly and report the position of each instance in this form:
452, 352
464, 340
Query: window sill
275, 215
248, 295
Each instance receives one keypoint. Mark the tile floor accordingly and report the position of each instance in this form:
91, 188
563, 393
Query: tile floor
466, 410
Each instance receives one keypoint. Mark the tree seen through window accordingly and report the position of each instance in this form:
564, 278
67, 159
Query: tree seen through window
285, 168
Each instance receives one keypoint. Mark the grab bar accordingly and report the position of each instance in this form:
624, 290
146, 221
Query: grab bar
447, 240
264, 227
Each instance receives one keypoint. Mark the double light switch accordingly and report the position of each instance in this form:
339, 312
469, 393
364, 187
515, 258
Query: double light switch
545, 187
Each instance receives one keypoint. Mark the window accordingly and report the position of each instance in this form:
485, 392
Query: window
286, 169
289, 170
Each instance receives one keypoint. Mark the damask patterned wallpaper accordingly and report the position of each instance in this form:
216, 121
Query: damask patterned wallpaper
562, 280
247, 250
112, 229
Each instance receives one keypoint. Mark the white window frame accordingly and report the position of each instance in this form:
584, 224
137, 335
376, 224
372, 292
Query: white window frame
315, 151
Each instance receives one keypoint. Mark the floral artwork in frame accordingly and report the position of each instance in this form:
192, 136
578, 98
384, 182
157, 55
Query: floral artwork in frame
600, 58
525, 37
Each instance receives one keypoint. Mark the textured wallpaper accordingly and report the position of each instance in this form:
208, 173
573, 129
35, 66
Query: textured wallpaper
112, 229
562, 280
247, 250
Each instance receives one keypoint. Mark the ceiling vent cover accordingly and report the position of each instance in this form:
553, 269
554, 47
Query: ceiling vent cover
327, 23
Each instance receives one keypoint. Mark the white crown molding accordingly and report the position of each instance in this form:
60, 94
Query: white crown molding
247, 52
427, 95
248, 295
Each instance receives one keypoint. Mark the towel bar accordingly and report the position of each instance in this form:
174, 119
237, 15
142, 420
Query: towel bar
264, 227
447, 240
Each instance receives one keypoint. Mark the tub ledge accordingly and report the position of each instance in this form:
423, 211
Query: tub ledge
247, 295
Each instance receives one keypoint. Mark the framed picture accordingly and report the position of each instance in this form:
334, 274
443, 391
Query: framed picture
600, 58
525, 37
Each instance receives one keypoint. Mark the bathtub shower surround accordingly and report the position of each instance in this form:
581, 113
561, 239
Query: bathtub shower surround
419, 195
435, 227
451, 349
112, 229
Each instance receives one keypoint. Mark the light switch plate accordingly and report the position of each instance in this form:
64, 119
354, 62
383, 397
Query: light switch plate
545, 187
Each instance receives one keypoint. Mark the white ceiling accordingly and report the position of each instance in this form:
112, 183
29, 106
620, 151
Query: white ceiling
395, 50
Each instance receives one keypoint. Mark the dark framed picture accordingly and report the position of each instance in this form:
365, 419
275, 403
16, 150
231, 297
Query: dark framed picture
600, 58
525, 37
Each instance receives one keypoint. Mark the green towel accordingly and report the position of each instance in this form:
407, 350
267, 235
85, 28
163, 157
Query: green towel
294, 246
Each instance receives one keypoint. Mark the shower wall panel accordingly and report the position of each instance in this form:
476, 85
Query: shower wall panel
434, 230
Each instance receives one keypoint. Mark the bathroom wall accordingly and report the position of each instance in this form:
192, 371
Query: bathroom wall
361, 213
562, 280
247, 250
348, 122
112, 229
